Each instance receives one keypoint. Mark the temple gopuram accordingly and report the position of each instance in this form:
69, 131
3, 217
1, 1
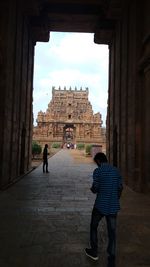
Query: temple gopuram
69, 119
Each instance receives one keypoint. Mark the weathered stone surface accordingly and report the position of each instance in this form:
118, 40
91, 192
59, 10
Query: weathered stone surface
45, 219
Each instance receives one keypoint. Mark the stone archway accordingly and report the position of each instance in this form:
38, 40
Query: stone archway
69, 134
124, 26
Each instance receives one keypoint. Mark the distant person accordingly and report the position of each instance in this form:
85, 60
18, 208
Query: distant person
107, 185
45, 158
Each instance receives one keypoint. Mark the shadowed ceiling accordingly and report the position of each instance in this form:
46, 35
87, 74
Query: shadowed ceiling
92, 16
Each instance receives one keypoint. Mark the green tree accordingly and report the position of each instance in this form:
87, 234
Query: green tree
36, 149
56, 145
80, 146
88, 149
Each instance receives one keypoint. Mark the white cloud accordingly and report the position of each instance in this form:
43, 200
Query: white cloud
78, 48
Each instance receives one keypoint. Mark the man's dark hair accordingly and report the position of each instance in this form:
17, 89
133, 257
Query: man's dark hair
101, 157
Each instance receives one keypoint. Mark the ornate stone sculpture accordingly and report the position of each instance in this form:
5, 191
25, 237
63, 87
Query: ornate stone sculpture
69, 118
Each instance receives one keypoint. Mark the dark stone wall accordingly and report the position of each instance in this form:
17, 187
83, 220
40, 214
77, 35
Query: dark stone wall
144, 69
17, 55
129, 105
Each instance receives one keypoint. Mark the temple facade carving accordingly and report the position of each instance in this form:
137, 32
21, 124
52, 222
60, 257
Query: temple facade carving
69, 118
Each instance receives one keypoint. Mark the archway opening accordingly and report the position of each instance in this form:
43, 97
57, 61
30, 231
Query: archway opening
71, 62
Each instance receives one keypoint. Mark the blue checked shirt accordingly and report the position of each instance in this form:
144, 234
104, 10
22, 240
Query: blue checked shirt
107, 184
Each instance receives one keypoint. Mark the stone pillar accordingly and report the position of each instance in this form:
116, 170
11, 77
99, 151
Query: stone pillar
128, 117
145, 157
144, 73
17, 84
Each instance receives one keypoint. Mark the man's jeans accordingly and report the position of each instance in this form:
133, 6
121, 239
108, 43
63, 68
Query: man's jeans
45, 163
111, 228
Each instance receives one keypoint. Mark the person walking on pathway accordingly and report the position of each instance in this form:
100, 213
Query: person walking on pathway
45, 158
107, 185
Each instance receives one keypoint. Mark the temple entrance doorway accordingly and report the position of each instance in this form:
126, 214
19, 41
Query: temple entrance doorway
69, 135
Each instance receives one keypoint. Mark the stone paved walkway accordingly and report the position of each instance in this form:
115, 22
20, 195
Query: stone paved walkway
44, 219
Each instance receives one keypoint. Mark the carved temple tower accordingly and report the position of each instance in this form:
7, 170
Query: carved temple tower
69, 118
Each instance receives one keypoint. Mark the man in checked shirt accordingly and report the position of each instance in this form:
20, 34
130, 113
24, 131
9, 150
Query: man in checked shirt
107, 185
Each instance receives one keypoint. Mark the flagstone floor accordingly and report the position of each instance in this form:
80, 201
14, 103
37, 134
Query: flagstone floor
45, 218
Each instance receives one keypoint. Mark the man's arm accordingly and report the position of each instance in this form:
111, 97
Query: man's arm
120, 187
93, 189
95, 185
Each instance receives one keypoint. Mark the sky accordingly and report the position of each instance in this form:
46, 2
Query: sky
71, 60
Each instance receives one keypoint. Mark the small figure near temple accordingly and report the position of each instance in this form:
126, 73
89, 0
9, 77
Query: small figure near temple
45, 158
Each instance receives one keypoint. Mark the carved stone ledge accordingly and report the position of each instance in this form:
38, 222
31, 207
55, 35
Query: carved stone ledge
40, 34
39, 29
103, 37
